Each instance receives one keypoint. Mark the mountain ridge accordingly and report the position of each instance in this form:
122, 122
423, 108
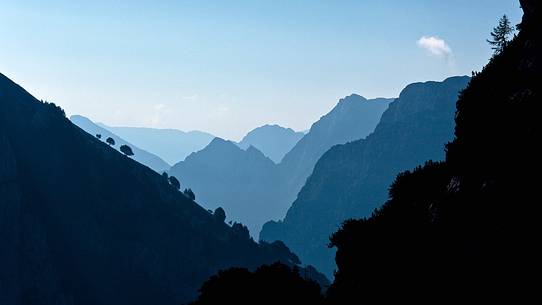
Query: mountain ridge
140, 155
172, 145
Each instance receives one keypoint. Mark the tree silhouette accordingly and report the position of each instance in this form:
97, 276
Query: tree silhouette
165, 175
500, 35
190, 194
175, 182
110, 141
127, 150
269, 284
99, 136
220, 214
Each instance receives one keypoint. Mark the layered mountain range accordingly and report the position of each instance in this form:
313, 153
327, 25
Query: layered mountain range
81, 223
352, 179
251, 187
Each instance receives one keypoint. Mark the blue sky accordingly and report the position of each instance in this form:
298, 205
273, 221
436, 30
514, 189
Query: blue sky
229, 66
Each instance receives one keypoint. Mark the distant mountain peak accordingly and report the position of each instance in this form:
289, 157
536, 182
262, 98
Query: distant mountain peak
273, 140
352, 97
220, 142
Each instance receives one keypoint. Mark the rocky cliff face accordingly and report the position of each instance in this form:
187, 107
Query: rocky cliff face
351, 180
353, 118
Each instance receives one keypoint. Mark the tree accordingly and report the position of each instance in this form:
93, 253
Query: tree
110, 141
500, 35
165, 175
269, 284
190, 194
99, 136
127, 150
175, 182
220, 214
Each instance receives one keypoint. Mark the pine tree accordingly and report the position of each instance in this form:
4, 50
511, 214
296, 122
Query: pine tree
500, 35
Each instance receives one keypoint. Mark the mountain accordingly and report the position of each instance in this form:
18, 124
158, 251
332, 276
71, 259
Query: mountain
353, 118
240, 181
466, 230
172, 145
273, 141
350, 180
252, 188
80, 223
140, 155
463, 230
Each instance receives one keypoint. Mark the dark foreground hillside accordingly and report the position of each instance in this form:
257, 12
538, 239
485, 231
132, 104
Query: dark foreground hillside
81, 223
468, 229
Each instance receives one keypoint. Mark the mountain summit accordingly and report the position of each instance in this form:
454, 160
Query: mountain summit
224, 175
273, 140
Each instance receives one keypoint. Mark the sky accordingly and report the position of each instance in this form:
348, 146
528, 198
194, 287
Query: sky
227, 67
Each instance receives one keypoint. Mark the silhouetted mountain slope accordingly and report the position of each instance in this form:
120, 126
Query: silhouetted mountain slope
466, 230
273, 141
81, 223
140, 155
240, 181
170, 144
350, 180
353, 118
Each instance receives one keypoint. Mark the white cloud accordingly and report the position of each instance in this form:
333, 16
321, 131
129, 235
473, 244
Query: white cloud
435, 46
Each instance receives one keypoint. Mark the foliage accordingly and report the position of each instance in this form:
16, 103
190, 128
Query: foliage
190, 194
110, 141
53, 108
500, 35
127, 150
269, 284
220, 214
174, 182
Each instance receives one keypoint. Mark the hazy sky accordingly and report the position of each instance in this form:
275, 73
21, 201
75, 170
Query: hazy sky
229, 66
